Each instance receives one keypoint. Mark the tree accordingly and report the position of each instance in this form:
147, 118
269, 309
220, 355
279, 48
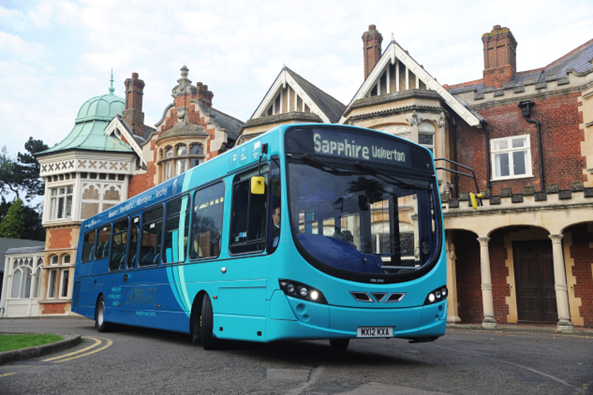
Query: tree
13, 223
28, 168
22, 175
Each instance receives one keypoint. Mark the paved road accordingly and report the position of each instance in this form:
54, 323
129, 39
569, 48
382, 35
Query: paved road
139, 361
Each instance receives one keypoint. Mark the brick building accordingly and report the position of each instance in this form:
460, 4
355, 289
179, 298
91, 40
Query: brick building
527, 254
111, 155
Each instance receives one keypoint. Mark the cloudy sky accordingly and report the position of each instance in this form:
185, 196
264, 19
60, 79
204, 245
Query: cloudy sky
55, 55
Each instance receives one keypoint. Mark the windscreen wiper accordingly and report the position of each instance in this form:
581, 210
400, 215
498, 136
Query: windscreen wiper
394, 180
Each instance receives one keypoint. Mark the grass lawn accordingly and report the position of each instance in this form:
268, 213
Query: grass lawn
14, 342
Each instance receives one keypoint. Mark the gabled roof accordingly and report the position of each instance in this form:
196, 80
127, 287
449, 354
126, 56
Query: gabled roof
119, 123
393, 52
328, 108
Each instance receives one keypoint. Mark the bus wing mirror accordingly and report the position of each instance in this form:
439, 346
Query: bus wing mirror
474, 200
258, 185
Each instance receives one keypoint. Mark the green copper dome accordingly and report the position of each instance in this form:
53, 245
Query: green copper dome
101, 108
89, 127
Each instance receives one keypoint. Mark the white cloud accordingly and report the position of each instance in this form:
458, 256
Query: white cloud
61, 52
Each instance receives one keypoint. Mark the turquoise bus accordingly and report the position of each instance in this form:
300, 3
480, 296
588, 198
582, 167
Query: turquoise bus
309, 231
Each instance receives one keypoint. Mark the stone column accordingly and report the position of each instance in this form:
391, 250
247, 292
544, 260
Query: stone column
564, 323
452, 311
487, 301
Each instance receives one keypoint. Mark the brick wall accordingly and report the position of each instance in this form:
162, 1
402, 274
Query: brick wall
142, 182
582, 253
53, 308
561, 140
499, 273
59, 238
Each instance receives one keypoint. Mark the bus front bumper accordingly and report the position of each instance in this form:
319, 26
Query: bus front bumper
299, 319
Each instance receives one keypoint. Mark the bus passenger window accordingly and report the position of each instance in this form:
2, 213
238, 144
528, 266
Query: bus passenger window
103, 238
207, 222
134, 234
118, 245
249, 215
152, 226
177, 230
88, 247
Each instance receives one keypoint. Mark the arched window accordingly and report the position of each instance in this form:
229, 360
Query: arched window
66, 259
26, 286
196, 149
168, 152
37, 286
181, 149
53, 260
16, 283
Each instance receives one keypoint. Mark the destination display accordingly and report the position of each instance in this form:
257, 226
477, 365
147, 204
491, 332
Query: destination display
355, 145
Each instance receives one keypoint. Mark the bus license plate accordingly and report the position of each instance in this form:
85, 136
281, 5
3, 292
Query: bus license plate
374, 331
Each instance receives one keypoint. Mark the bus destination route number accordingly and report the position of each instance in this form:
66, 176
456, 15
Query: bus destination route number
375, 331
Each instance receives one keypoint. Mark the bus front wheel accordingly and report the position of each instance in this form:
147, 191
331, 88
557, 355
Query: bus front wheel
100, 323
209, 341
339, 344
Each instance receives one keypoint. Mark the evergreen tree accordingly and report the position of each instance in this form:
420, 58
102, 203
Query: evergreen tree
13, 223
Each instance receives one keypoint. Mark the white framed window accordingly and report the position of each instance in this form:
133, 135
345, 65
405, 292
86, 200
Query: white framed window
51, 284
181, 165
426, 135
16, 283
511, 157
60, 202
53, 260
64, 284
66, 259
37, 287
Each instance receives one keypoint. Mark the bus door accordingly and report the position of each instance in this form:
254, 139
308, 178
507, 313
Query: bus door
242, 286
130, 265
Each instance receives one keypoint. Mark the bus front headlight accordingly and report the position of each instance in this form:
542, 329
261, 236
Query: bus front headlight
302, 291
437, 295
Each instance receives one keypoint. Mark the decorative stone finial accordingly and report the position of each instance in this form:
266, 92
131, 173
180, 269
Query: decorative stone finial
184, 72
184, 87
111, 88
392, 37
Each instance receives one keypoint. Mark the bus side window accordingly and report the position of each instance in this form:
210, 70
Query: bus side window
103, 239
249, 215
88, 247
176, 230
118, 245
207, 222
134, 235
152, 227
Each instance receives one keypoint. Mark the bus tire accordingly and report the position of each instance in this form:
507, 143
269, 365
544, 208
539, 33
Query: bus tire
100, 323
339, 344
209, 342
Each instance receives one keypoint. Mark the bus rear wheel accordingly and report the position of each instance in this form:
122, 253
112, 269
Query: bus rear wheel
209, 341
339, 344
100, 323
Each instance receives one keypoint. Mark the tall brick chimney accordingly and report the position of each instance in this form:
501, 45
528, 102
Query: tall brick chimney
133, 114
500, 62
204, 95
372, 49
